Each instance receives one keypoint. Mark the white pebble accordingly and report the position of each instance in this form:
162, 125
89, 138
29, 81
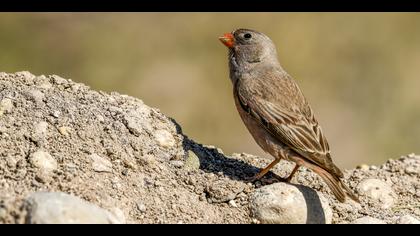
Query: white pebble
64, 130
164, 138
41, 128
100, 164
6, 106
232, 203
43, 160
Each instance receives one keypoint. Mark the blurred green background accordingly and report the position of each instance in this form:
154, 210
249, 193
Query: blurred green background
360, 71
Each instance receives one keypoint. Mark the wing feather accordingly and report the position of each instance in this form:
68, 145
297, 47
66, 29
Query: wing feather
292, 123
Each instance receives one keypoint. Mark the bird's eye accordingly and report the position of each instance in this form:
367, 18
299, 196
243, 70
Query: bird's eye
247, 36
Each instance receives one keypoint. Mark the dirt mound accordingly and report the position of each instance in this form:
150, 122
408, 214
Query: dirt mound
117, 153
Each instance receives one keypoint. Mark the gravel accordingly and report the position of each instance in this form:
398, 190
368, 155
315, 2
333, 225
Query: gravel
61, 142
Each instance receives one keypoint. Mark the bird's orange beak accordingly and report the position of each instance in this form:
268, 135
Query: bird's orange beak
227, 40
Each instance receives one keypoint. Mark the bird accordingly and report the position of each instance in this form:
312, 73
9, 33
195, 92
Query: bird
276, 112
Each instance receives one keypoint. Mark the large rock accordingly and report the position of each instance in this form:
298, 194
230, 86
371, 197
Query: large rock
61, 208
283, 203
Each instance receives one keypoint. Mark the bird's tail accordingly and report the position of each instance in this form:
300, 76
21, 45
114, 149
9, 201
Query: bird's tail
339, 189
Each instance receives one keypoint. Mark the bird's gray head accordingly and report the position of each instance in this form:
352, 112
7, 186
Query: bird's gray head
249, 48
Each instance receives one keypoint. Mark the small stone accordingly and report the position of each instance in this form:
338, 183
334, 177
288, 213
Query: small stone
100, 118
232, 203
379, 191
11, 162
3, 213
164, 138
56, 114
148, 159
192, 162
6, 106
412, 169
43, 177
64, 130
25, 74
43, 160
177, 164
36, 96
100, 164
363, 167
132, 125
41, 129
59, 80
141, 207
408, 219
368, 220
61, 208
129, 163
45, 84
283, 203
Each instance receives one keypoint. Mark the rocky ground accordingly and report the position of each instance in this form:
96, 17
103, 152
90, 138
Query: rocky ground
69, 154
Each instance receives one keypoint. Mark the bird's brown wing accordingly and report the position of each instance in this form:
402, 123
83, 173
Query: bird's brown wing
292, 122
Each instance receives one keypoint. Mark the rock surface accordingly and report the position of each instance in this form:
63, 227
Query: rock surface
43, 160
61, 208
408, 219
283, 203
368, 220
379, 191
131, 163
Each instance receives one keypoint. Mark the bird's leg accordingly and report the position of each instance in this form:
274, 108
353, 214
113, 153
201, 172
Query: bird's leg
293, 172
265, 170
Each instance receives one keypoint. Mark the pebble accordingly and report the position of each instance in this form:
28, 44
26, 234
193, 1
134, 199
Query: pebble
412, 169
41, 129
64, 130
192, 162
59, 80
363, 167
164, 138
100, 164
141, 207
56, 114
62, 208
283, 203
36, 96
148, 159
408, 219
232, 203
25, 74
6, 106
43, 160
177, 163
43, 177
368, 220
132, 125
3, 213
379, 191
